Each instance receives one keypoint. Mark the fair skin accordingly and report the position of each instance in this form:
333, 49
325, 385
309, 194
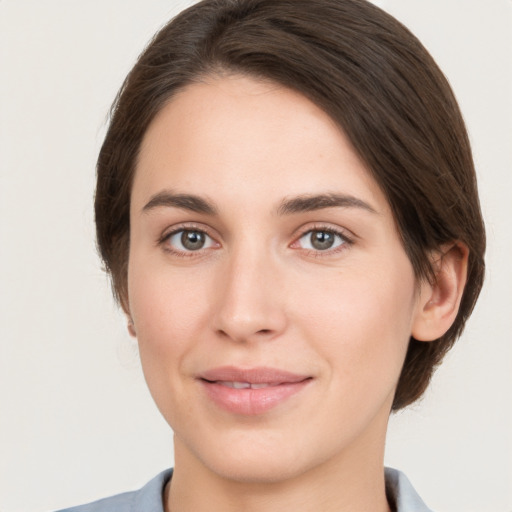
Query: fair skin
263, 254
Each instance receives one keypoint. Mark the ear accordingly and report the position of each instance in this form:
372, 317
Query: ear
439, 302
131, 328
123, 301
125, 305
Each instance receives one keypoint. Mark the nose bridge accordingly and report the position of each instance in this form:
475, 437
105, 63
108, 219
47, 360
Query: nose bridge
249, 302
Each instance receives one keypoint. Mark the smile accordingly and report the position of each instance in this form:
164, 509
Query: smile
247, 385
251, 391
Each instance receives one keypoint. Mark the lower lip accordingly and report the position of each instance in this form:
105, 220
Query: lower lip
251, 402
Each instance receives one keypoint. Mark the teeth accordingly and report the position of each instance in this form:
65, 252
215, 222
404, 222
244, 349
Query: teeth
260, 386
235, 385
241, 385
244, 385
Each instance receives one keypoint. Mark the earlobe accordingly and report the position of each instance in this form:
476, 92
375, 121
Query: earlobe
131, 328
130, 324
123, 301
439, 302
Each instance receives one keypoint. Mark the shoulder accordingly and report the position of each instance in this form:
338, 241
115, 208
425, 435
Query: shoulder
146, 499
401, 492
149, 497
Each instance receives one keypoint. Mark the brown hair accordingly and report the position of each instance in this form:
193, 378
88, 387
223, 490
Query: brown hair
370, 74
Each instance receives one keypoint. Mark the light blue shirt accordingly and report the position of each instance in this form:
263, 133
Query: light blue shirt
149, 498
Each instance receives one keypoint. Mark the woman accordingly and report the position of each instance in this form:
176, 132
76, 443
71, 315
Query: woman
287, 205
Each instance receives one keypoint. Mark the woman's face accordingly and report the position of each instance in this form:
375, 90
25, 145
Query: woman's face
272, 299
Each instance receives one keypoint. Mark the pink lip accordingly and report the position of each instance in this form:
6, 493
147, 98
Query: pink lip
279, 385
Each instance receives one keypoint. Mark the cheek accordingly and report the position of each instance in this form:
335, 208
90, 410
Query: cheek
168, 313
164, 305
361, 322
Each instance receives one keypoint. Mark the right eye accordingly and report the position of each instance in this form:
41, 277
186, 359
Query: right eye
321, 240
189, 240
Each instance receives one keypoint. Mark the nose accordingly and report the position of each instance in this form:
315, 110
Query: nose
250, 298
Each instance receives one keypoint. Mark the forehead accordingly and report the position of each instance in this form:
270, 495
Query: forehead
234, 136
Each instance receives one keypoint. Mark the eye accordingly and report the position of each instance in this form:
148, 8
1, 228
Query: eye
189, 240
321, 240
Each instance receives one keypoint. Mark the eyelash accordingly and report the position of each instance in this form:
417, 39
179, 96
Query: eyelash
346, 241
191, 228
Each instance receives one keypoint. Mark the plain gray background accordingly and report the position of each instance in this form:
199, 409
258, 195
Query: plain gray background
76, 421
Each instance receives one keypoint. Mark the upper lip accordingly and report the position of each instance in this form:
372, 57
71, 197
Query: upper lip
257, 375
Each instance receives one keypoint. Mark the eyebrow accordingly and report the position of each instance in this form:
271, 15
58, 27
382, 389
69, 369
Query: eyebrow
189, 202
299, 204
308, 203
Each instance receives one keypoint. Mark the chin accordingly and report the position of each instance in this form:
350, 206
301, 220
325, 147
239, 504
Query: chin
265, 458
257, 470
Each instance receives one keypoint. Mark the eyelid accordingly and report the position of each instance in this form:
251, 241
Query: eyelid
347, 236
186, 226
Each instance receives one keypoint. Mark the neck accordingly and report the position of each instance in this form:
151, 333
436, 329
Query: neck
352, 481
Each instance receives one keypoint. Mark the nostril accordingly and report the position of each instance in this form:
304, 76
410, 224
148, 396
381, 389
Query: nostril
264, 331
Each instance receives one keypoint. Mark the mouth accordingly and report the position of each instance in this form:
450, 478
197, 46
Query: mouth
247, 385
251, 391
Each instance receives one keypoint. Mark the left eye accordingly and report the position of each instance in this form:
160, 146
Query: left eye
321, 240
187, 240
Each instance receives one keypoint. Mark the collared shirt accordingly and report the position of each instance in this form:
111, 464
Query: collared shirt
149, 498
402, 492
